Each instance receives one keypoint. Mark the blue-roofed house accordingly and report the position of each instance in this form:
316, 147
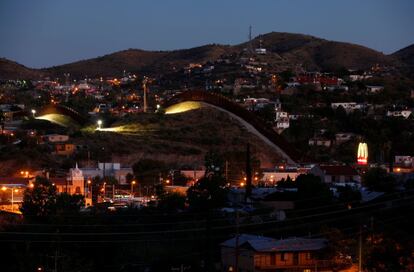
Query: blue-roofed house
258, 253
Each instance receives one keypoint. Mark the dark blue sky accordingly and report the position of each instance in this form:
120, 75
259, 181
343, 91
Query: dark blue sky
39, 33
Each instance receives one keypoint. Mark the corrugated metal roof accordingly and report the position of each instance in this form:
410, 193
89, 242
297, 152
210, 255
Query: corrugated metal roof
266, 244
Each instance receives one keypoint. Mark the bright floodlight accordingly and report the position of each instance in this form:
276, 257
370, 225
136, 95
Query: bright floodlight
33, 112
99, 124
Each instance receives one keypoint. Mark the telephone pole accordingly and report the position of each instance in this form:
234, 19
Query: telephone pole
360, 250
236, 251
144, 87
248, 174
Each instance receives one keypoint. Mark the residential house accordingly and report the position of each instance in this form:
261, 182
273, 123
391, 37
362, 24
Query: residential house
108, 169
404, 161
54, 138
403, 113
258, 253
344, 137
356, 77
319, 141
348, 106
64, 149
337, 174
374, 89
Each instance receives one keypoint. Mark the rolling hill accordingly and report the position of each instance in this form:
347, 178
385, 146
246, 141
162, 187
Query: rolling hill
284, 49
319, 54
406, 55
13, 70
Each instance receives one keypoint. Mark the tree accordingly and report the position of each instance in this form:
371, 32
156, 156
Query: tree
340, 247
385, 254
147, 171
347, 194
209, 191
312, 191
171, 202
286, 183
69, 204
214, 163
180, 179
39, 201
42, 201
377, 179
129, 178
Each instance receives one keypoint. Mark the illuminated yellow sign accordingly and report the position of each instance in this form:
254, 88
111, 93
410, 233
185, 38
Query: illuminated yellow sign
362, 156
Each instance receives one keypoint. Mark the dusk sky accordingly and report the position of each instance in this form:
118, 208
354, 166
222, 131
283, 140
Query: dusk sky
43, 33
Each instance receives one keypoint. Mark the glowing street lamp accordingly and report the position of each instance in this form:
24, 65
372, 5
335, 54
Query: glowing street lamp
89, 182
99, 122
33, 112
132, 187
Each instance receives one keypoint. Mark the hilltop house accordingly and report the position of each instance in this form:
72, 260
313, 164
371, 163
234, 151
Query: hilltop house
374, 89
403, 113
319, 141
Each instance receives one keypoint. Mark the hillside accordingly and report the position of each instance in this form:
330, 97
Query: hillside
406, 55
176, 139
286, 50
135, 61
13, 70
319, 54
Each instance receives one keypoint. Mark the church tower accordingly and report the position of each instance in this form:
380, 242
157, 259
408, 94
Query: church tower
78, 181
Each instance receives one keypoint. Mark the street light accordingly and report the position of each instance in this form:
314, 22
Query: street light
132, 187
89, 188
33, 112
99, 122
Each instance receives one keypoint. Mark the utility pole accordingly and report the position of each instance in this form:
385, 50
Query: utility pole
144, 87
227, 171
360, 250
236, 251
248, 174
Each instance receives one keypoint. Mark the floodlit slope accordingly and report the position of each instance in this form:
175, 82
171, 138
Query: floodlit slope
181, 138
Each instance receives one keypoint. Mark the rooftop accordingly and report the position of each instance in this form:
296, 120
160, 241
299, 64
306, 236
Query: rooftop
266, 244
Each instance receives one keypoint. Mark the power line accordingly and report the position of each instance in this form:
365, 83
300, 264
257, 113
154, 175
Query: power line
214, 228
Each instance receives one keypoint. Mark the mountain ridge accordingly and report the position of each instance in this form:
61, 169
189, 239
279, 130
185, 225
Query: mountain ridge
292, 49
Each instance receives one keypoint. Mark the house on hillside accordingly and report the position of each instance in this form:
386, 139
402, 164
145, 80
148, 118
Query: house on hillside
258, 253
374, 89
344, 137
319, 141
403, 113
54, 138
